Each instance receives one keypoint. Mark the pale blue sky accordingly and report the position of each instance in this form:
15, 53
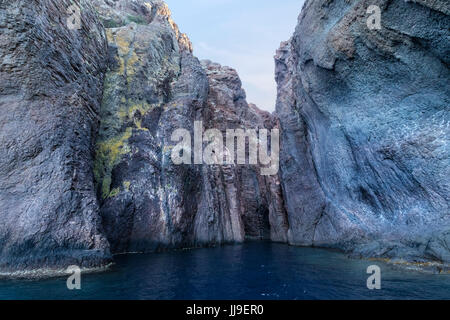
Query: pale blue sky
242, 34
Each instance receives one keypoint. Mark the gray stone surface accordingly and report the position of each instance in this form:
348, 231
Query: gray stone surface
253, 200
152, 88
365, 119
71, 189
155, 86
51, 81
86, 119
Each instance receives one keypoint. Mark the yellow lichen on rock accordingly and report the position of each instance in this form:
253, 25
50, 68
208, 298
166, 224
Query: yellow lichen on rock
108, 153
114, 192
120, 38
138, 124
128, 112
124, 39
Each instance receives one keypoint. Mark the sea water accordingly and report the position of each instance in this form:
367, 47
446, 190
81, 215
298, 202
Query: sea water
252, 271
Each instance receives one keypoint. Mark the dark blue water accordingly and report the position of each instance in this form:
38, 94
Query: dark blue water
249, 271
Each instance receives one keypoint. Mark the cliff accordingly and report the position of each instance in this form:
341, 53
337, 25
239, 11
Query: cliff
51, 82
89, 117
365, 120
155, 86
89, 172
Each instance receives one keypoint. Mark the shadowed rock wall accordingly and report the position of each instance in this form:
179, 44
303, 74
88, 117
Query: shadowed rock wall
365, 120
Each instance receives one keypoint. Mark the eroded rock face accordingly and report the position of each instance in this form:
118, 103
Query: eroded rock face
155, 86
364, 116
51, 81
365, 128
68, 195
253, 200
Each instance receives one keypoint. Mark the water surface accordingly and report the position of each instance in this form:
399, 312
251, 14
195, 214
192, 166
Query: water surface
249, 271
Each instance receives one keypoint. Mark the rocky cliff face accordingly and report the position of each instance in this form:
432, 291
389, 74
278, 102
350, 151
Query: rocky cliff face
242, 192
86, 126
87, 118
155, 86
51, 87
365, 119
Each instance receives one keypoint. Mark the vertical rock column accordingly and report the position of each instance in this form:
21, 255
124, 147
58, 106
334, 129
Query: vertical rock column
247, 203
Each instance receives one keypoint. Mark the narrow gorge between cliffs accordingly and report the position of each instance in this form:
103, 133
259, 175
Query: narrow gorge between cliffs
116, 139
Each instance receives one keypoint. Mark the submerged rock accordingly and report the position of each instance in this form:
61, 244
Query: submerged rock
365, 118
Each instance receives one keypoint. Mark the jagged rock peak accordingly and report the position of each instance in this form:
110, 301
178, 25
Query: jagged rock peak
118, 13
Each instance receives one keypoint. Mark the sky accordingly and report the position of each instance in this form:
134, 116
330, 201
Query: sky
242, 34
